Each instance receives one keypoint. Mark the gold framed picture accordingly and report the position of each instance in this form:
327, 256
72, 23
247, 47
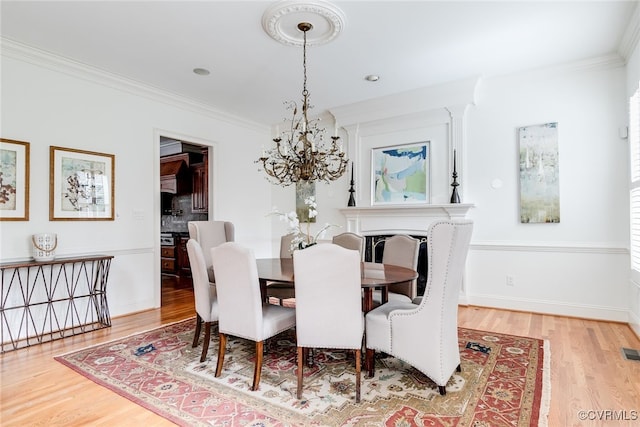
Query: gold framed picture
14, 180
81, 185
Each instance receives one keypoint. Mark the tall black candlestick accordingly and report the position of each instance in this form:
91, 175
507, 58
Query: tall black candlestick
352, 200
455, 198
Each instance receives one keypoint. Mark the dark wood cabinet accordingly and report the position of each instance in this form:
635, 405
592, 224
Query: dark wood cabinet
168, 259
200, 195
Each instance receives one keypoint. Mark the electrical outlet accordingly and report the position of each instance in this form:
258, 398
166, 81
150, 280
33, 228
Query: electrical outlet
510, 281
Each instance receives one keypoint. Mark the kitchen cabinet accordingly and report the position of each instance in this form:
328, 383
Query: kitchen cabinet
168, 259
200, 195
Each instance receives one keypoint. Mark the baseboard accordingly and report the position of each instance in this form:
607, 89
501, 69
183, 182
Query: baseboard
634, 324
554, 308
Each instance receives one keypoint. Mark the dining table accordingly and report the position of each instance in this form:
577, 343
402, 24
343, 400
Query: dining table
373, 276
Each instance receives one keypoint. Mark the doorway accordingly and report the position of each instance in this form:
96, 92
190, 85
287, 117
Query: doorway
184, 197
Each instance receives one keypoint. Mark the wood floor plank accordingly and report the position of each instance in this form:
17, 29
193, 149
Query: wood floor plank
588, 371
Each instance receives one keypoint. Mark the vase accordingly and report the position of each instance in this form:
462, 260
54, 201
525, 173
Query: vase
44, 246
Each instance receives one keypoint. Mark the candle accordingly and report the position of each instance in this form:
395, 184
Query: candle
454, 161
340, 148
351, 171
264, 154
335, 131
313, 146
304, 126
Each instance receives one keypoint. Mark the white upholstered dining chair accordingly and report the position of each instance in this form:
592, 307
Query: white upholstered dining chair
242, 312
210, 234
426, 335
204, 292
351, 241
328, 303
401, 250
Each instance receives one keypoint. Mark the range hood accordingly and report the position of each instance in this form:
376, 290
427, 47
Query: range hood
175, 177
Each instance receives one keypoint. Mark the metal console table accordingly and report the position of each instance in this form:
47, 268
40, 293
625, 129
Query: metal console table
45, 301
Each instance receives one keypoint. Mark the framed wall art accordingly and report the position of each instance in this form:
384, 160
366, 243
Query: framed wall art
539, 171
400, 174
81, 185
14, 180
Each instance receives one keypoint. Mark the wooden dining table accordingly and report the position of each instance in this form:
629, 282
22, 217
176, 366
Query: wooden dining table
373, 276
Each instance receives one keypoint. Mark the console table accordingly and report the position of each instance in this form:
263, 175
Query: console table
45, 301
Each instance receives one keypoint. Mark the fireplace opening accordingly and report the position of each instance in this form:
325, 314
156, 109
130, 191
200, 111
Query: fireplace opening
374, 248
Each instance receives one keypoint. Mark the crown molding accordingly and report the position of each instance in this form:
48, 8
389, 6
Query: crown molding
25, 53
631, 35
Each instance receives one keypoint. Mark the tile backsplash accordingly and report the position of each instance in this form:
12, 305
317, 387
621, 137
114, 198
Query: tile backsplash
181, 215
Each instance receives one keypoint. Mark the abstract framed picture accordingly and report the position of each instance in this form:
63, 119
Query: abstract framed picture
81, 185
539, 170
14, 180
400, 174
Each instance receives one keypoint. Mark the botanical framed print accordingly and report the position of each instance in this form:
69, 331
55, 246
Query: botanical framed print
400, 174
539, 172
81, 185
14, 180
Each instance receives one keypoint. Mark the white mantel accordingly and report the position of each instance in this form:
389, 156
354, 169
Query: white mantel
407, 219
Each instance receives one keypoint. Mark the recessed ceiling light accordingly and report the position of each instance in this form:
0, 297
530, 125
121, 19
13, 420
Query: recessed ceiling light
372, 78
201, 71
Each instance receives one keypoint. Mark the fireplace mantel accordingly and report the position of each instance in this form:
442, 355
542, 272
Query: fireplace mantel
412, 219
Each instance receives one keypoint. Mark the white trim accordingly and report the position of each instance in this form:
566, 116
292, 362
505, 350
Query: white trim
631, 35
567, 248
22, 52
634, 323
593, 312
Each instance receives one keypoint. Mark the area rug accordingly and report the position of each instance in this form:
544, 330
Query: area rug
504, 382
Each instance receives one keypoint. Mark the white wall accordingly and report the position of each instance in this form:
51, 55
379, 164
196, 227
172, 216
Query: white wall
579, 266
46, 101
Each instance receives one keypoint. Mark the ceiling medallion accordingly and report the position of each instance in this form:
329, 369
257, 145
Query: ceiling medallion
280, 22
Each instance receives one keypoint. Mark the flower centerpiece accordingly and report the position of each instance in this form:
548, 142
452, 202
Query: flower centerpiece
302, 239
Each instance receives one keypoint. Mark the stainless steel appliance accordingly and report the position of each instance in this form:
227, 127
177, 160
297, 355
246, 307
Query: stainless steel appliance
167, 239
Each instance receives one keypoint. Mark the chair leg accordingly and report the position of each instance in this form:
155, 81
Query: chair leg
301, 358
442, 389
205, 343
196, 335
358, 356
370, 362
258, 368
222, 346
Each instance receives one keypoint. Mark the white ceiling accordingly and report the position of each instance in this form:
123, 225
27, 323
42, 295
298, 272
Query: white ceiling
409, 44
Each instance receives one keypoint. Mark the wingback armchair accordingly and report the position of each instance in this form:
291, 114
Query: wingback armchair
426, 335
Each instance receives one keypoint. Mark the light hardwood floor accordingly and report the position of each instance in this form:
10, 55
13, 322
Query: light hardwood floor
588, 371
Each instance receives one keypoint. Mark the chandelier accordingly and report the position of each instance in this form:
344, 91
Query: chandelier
300, 153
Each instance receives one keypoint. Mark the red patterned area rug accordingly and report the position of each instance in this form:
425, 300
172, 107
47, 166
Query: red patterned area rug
504, 382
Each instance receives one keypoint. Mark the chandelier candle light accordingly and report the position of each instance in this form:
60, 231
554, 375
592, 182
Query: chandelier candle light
300, 153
